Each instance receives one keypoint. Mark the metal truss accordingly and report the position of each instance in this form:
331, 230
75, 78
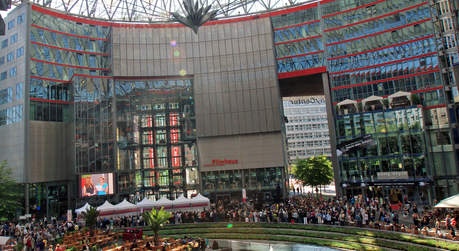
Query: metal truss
158, 10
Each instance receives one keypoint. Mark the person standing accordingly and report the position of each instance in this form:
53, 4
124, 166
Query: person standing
102, 187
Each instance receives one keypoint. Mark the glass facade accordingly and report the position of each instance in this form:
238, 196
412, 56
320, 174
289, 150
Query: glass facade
387, 78
156, 136
60, 51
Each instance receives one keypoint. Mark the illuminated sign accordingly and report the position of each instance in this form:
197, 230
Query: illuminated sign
217, 162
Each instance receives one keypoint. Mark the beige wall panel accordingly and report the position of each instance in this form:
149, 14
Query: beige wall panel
227, 62
50, 165
251, 151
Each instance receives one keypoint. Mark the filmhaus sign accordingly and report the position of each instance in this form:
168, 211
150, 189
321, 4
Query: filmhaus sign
223, 162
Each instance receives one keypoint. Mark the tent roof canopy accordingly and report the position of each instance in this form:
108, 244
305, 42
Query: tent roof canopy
450, 202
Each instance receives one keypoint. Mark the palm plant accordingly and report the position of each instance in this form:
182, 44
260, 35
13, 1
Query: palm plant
156, 220
90, 217
196, 16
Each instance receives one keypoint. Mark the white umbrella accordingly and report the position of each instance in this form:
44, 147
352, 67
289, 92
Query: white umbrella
450, 202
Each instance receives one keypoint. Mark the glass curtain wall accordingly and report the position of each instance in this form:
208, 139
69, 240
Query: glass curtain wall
156, 136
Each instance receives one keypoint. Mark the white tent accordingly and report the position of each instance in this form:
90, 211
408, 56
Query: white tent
200, 201
146, 203
164, 202
181, 203
83, 208
105, 208
125, 205
450, 202
125, 208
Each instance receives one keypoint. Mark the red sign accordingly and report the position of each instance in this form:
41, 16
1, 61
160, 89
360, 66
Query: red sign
217, 162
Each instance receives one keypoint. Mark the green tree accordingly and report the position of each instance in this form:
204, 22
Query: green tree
156, 220
90, 217
314, 171
11, 193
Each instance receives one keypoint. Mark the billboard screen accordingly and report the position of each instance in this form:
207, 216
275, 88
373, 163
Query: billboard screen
96, 184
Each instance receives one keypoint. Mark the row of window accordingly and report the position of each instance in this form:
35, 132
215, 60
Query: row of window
10, 56
305, 110
19, 20
307, 135
381, 56
6, 95
378, 25
11, 115
69, 26
417, 65
12, 72
65, 41
381, 122
362, 13
307, 119
311, 143
302, 154
299, 47
297, 32
246, 178
300, 63
307, 127
385, 88
67, 57
384, 39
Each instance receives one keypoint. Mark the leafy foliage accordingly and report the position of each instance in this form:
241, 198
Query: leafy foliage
10, 193
314, 171
196, 16
90, 216
156, 220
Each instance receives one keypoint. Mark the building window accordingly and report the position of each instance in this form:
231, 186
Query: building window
19, 90
13, 72
3, 75
4, 43
10, 57
19, 52
14, 38
21, 18
2, 60
6, 96
10, 24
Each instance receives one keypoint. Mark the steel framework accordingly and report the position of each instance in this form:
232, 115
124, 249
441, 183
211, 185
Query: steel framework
158, 10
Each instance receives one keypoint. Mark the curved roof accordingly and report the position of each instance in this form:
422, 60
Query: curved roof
158, 10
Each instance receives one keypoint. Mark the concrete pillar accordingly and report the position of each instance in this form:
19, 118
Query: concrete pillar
332, 132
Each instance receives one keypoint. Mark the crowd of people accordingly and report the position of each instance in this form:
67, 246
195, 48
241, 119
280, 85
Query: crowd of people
305, 209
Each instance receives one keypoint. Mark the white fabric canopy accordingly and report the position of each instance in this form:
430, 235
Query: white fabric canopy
146, 203
83, 208
400, 94
450, 202
181, 202
200, 201
164, 202
107, 206
124, 205
347, 102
